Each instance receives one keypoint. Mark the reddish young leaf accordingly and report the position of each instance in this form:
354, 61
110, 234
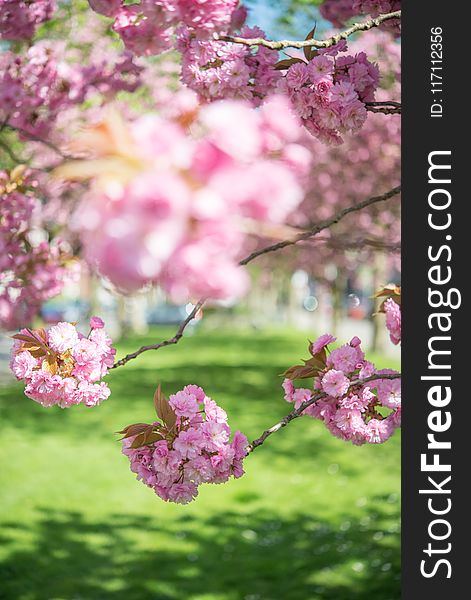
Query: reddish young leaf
134, 429
300, 372
163, 409
310, 51
145, 438
286, 63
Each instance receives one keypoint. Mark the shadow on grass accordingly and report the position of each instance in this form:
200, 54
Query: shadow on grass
228, 556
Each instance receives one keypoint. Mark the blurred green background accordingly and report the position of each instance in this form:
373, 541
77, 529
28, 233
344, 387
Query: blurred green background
313, 518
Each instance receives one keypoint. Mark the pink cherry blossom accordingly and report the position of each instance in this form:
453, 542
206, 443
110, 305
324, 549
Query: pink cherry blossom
194, 451
62, 337
23, 364
335, 383
96, 323
68, 372
321, 342
184, 404
343, 401
393, 320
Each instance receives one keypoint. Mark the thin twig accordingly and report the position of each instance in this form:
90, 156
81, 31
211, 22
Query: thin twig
385, 103
385, 110
294, 414
173, 340
322, 225
352, 244
327, 43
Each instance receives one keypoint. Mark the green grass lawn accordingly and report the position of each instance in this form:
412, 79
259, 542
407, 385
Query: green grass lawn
313, 518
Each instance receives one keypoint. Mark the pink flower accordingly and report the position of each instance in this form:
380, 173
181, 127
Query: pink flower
354, 402
44, 388
393, 320
366, 370
388, 390
321, 68
343, 93
201, 452
321, 342
200, 470
161, 449
214, 412
301, 395
239, 444
62, 337
335, 383
23, 364
184, 405
96, 323
91, 394
355, 342
378, 432
350, 410
353, 115
196, 391
188, 443
85, 352
217, 434
346, 358
77, 361
297, 76
182, 493
349, 421
288, 387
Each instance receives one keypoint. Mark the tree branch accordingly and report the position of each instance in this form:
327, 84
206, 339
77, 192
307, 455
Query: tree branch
302, 236
386, 108
358, 244
294, 414
322, 225
327, 43
173, 340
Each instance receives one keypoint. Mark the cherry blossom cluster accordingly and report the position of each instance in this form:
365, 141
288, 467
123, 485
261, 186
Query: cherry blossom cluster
218, 70
329, 91
169, 208
20, 18
37, 87
339, 12
391, 307
366, 164
30, 273
147, 27
190, 445
352, 402
62, 366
